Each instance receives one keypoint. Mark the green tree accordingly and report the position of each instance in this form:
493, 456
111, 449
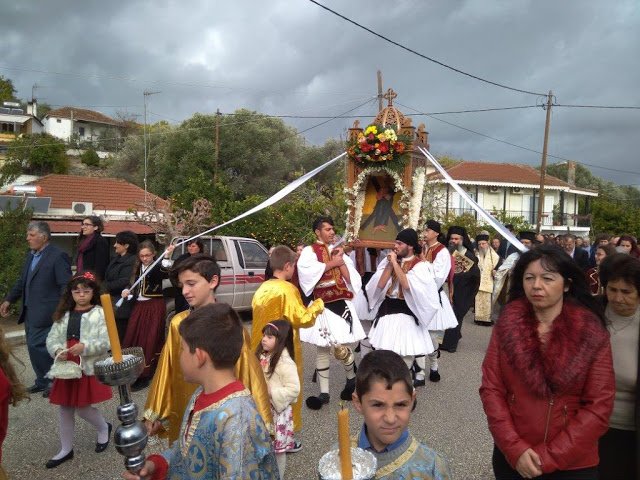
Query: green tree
7, 90
34, 154
13, 225
90, 158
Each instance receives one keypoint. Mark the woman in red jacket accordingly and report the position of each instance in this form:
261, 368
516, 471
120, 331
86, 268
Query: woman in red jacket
547, 377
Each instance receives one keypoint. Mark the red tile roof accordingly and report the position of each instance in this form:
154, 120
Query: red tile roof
82, 114
110, 228
105, 193
499, 173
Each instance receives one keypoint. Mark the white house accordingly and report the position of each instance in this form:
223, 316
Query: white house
514, 189
88, 125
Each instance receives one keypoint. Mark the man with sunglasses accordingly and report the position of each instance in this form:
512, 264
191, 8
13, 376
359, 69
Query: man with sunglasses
44, 277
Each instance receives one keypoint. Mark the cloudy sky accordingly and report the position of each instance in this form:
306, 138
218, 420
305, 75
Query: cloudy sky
291, 57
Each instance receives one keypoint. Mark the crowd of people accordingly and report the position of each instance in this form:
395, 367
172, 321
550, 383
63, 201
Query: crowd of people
559, 378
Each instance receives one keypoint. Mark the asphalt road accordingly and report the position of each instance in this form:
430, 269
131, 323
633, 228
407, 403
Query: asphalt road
448, 418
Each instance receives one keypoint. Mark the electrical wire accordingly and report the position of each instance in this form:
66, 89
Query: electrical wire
518, 146
425, 56
612, 107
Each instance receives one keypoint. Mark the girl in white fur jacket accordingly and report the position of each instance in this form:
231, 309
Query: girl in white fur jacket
79, 330
276, 357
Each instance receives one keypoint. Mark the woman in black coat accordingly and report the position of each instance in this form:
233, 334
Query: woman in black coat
93, 248
119, 272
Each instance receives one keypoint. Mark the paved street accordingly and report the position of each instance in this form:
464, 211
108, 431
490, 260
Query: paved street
448, 417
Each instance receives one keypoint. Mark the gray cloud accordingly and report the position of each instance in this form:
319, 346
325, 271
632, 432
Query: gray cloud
284, 57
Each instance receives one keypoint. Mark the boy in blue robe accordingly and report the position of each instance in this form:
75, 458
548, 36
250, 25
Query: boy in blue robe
385, 397
222, 433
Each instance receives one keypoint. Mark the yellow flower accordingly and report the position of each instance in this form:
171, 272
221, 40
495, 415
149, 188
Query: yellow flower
391, 134
377, 145
371, 129
382, 138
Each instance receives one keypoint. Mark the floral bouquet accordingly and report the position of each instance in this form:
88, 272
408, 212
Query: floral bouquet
378, 144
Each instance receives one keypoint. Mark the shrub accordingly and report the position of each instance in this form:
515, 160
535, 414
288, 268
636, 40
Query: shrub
90, 158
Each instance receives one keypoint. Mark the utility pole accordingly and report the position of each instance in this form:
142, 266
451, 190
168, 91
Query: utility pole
543, 168
145, 94
217, 149
379, 91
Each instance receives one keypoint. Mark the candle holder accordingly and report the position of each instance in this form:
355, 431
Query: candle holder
131, 437
364, 465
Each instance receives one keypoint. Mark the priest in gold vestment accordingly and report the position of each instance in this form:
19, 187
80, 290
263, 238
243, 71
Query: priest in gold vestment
278, 298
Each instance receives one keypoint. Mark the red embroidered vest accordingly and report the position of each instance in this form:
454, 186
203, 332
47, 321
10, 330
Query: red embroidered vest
406, 267
331, 286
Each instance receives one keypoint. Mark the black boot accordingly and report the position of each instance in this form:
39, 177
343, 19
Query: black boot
349, 388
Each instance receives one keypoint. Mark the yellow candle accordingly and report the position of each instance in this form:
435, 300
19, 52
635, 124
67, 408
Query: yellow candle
344, 444
109, 316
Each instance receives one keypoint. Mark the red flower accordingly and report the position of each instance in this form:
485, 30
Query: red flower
384, 147
371, 136
399, 146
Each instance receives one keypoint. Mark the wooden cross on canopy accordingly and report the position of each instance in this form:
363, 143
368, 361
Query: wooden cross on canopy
390, 95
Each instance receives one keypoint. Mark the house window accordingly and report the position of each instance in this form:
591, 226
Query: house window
81, 131
59, 120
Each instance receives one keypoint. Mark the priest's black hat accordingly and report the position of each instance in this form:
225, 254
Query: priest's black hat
526, 235
482, 237
456, 230
410, 237
434, 225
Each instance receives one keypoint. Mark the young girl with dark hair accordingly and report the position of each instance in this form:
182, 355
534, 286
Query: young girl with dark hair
276, 356
79, 334
146, 325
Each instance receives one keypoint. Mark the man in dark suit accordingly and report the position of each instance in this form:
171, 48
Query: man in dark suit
506, 248
44, 277
580, 256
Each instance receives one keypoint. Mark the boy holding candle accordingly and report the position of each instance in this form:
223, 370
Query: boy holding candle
222, 433
385, 397
169, 394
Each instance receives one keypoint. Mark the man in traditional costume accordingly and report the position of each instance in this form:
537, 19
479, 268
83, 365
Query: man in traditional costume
331, 276
276, 299
405, 296
466, 280
488, 263
437, 255
170, 393
502, 280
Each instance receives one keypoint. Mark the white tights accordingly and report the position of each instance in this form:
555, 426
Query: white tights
67, 426
281, 458
323, 361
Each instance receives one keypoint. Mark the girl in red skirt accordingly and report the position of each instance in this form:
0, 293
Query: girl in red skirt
79, 330
146, 324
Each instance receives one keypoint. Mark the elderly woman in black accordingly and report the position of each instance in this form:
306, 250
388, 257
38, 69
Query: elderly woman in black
119, 272
93, 248
620, 277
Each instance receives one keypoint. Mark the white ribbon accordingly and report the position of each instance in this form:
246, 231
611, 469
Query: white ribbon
267, 203
483, 213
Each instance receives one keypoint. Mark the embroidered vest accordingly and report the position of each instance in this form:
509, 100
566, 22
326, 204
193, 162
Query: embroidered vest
331, 286
406, 267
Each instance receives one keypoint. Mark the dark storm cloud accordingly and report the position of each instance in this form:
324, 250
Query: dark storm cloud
284, 57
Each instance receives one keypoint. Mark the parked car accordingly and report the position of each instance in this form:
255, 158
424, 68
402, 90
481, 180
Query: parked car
242, 263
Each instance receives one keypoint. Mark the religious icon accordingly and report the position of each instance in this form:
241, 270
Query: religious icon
380, 212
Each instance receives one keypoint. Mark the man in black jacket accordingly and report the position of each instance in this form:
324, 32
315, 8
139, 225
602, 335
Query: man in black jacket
580, 256
44, 277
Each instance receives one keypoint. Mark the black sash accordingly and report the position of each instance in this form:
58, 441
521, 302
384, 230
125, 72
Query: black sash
340, 308
391, 306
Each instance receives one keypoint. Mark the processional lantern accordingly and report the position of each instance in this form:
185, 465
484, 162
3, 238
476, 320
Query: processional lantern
386, 176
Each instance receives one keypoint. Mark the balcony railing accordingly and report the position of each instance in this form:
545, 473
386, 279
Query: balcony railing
548, 218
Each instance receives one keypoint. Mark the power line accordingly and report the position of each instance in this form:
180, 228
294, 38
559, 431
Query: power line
425, 56
518, 146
